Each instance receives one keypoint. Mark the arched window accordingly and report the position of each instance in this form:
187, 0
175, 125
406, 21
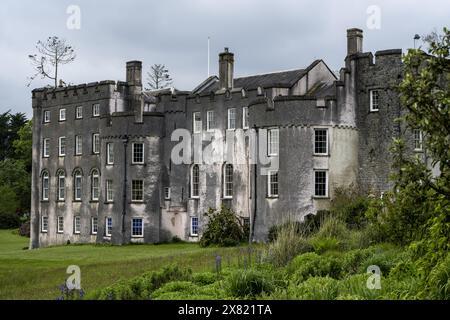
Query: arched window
95, 185
61, 192
77, 179
228, 181
45, 185
195, 181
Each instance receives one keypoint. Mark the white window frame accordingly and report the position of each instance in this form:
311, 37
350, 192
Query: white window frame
245, 118
197, 124
61, 186
141, 235
133, 145
94, 223
226, 195
326, 183
58, 225
269, 184
372, 104
108, 229
192, 233
132, 190
109, 191
95, 143
210, 120
62, 114
46, 147
78, 145
110, 153
167, 192
195, 196
60, 146
271, 145
95, 176
77, 175
44, 224
326, 141
79, 112
47, 116
77, 224
45, 191
96, 110
419, 140
231, 111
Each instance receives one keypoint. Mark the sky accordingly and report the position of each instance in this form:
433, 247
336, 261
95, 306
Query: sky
265, 36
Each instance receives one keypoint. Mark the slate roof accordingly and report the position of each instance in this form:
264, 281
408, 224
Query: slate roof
281, 79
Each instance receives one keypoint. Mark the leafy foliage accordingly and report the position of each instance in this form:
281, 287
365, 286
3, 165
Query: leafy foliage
223, 228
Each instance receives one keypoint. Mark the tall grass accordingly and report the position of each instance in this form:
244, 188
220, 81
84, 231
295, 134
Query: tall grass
291, 241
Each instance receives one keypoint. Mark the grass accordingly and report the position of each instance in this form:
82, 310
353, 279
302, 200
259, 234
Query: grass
37, 274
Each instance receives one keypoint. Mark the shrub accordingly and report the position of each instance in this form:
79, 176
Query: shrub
223, 228
350, 205
289, 243
24, 229
182, 288
321, 245
249, 283
141, 287
204, 278
314, 288
356, 286
439, 280
352, 260
384, 259
311, 265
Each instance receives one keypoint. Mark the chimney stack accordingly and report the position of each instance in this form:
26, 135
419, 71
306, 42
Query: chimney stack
354, 41
134, 81
134, 73
226, 68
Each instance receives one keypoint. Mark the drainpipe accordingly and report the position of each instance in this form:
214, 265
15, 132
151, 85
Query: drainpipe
255, 191
124, 194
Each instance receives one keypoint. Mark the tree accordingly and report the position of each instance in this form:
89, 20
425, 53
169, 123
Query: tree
10, 124
421, 196
53, 53
23, 145
158, 77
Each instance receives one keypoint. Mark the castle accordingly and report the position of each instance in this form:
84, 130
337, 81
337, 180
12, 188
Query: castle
106, 155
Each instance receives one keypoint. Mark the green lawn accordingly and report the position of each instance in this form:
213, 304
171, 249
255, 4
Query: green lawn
36, 274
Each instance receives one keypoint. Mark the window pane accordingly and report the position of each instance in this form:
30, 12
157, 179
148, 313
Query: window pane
137, 191
138, 153
320, 141
273, 142
137, 227
320, 183
232, 118
197, 118
211, 124
228, 180
194, 226
195, 180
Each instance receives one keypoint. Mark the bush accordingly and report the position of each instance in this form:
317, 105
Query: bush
311, 265
439, 280
352, 260
8, 206
204, 278
314, 288
350, 205
322, 245
24, 229
385, 259
288, 244
249, 283
142, 287
223, 229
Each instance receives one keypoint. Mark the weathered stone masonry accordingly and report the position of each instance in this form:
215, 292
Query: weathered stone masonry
296, 103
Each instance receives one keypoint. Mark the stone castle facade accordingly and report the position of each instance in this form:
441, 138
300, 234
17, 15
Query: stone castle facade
103, 152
